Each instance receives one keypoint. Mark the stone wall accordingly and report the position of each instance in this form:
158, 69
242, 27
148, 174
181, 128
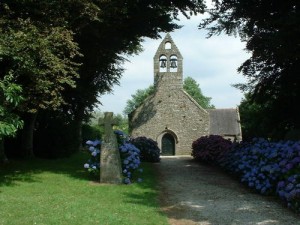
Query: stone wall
170, 110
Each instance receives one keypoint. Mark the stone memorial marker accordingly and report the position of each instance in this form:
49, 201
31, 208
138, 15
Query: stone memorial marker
110, 161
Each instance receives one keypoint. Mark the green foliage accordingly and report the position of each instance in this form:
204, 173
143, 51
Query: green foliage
193, 89
272, 37
122, 123
254, 120
10, 97
91, 132
94, 118
41, 59
137, 99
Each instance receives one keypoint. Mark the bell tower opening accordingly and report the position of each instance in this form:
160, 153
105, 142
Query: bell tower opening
168, 45
163, 63
173, 63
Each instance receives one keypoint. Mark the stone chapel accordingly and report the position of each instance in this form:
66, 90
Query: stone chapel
171, 116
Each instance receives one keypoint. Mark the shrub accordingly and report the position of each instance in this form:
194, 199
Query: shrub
93, 164
90, 132
148, 147
130, 158
210, 149
289, 191
268, 167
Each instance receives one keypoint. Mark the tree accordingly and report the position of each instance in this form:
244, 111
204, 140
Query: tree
10, 97
40, 57
137, 99
122, 123
44, 38
193, 89
254, 123
190, 86
271, 32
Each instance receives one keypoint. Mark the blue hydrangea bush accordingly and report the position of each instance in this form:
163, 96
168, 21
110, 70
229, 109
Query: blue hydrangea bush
93, 164
289, 191
130, 158
268, 167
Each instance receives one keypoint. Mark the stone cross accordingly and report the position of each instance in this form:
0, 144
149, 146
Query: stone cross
110, 160
108, 122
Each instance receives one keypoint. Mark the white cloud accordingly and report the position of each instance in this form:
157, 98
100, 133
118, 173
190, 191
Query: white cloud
211, 62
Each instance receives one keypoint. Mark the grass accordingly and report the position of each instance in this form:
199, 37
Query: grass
60, 192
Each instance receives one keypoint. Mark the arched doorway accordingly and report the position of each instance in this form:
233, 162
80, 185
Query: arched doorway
167, 144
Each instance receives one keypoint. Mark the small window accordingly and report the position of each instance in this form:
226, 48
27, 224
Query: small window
168, 45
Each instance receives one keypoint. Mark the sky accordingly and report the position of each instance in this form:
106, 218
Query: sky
212, 62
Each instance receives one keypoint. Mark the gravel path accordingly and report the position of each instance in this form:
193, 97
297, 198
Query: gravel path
197, 194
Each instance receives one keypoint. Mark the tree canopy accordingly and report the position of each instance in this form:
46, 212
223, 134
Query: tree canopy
271, 32
137, 99
102, 30
40, 58
190, 86
66, 54
193, 89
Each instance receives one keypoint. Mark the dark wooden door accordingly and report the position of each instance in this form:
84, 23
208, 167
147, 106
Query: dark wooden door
167, 145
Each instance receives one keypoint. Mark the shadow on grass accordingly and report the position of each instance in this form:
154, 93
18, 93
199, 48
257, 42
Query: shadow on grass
25, 170
150, 194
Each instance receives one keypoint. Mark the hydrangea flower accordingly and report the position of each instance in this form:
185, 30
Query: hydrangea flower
130, 157
86, 165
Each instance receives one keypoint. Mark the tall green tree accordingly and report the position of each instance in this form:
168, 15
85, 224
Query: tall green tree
137, 99
271, 32
189, 85
40, 57
193, 89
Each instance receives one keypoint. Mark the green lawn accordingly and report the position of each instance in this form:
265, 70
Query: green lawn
60, 192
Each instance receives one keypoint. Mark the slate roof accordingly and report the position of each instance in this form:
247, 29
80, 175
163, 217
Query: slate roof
224, 122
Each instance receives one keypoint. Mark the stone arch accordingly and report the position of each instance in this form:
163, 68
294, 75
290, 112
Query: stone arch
173, 62
167, 137
163, 63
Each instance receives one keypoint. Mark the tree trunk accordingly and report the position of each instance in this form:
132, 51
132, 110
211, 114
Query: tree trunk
78, 127
3, 158
27, 135
78, 118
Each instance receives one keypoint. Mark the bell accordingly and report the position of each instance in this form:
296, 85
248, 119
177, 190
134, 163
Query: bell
163, 63
173, 63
